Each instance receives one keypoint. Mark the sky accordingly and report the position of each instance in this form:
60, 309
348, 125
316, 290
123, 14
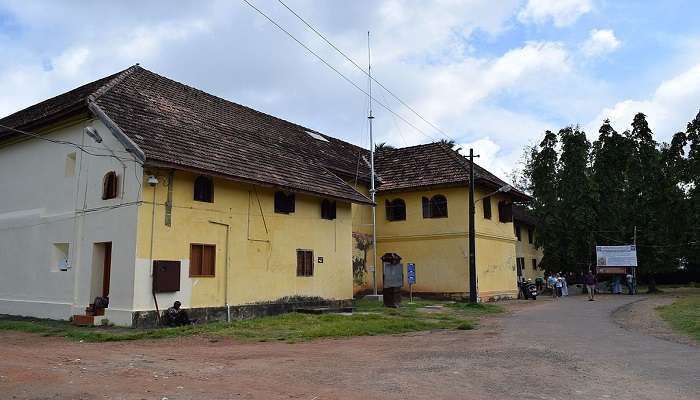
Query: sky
491, 74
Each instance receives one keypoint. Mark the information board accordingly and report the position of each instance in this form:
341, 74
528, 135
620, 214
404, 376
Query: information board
616, 256
411, 272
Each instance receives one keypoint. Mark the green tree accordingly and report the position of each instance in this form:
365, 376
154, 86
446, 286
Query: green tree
611, 158
541, 173
692, 180
576, 196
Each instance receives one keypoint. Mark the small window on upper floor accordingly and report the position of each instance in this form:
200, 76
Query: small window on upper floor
530, 235
435, 207
395, 210
505, 211
328, 209
284, 202
487, 207
518, 234
204, 189
110, 183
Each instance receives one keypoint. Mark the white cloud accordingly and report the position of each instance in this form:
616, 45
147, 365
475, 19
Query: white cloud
600, 42
674, 103
561, 12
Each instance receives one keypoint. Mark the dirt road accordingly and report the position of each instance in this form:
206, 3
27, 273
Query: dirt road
553, 350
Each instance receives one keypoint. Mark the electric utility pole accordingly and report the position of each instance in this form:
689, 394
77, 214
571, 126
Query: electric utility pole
472, 233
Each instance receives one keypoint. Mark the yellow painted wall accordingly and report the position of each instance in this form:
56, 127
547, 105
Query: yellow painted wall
261, 244
528, 251
439, 246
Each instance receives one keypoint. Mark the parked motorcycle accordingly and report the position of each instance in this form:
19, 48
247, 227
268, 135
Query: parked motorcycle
528, 289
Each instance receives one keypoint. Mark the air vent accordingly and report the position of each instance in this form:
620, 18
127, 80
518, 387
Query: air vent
316, 136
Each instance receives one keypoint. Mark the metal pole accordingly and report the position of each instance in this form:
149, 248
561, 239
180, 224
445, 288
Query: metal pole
634, 273
472, 233
372, 190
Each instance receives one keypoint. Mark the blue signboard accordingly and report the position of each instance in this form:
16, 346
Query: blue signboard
411, 272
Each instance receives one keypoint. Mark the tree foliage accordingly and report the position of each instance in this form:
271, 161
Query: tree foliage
588, 194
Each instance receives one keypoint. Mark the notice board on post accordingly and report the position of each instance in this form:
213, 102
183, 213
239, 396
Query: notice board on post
616, 256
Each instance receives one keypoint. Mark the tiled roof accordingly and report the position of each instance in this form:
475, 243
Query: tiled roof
432, 164
523, 215
57, 105
183, 127
178, 125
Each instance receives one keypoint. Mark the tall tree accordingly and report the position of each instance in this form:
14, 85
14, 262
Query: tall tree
576, 200
541, 172
693, 184
611, 155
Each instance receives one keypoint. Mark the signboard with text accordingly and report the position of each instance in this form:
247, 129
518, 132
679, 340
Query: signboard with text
411, 272
616, 256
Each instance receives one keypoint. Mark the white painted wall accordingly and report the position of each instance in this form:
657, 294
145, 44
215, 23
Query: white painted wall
44, 201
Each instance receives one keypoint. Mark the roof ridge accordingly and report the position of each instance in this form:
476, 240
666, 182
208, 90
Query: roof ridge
111, 83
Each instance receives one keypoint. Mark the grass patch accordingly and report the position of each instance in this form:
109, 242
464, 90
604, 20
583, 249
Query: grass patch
683, 315
370, 318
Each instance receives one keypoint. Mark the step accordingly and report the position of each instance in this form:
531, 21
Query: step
83, 320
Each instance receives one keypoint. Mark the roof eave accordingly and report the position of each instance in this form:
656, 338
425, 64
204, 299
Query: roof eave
170, 165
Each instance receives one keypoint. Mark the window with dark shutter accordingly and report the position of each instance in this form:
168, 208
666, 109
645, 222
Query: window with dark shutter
487, 207
204, 189
505, 211
426, 208
530, 235
202, 259
518, 234
534, 264
109, 185
328, 209
396, 210
438, 206
305, 263
284, 203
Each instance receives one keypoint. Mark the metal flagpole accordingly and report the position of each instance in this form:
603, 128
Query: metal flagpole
372, 190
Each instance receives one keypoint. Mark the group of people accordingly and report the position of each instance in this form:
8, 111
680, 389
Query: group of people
557, 282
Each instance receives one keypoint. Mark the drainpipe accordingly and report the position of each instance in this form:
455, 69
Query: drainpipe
226, 303
153, 232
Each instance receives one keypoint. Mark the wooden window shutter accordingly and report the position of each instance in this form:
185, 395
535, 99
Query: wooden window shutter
305, 263
208, 260
388, 210
438, 206
505, 211
195, 260
426, 208
399, 212
487, 207
534, 263
328, 209
284, 203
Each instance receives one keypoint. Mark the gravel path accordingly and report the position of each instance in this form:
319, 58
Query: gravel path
567, 349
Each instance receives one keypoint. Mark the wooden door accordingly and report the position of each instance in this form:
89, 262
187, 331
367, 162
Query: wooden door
107, 269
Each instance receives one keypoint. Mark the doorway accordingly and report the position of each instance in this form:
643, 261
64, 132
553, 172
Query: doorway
101, 270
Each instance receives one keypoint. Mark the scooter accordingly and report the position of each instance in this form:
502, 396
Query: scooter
528, 289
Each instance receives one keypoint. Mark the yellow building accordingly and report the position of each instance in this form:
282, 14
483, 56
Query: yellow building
171, 194
147, 191
422, 215
528, 255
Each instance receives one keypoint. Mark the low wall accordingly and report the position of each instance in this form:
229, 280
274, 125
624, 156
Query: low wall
148, 319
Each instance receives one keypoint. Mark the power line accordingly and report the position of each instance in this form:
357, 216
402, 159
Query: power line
337, 71
67, 143
365, 72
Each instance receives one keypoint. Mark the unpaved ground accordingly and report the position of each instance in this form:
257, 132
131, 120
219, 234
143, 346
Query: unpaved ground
566, 349
641, 316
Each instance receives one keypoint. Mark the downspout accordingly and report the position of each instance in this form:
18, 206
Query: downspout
226, 303
150, 264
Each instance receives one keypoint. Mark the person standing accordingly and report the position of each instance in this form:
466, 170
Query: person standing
552, 283
630, 283
564, 286
590, 281
558, 285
